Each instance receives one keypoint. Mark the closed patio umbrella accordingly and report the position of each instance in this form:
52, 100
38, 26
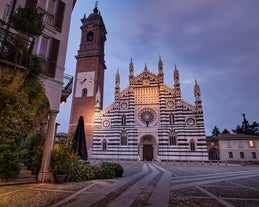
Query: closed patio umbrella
79, 143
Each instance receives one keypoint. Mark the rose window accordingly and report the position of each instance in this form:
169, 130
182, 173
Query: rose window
147, 117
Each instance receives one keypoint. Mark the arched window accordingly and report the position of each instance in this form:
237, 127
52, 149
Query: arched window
104, 145
171, 119
123, 120
172, 138
84, 92
124, 138
90, 36
192, 145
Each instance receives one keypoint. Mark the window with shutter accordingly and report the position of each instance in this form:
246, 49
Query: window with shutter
60, 15
31, 3
53, 56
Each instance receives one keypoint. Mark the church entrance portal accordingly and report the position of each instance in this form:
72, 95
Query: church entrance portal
148, 152
148, 148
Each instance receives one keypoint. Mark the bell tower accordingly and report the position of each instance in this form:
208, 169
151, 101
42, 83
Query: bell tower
89, 75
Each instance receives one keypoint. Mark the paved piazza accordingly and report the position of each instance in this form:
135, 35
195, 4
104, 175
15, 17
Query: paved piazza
147, 184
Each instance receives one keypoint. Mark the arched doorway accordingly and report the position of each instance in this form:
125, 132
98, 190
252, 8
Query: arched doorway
148, 148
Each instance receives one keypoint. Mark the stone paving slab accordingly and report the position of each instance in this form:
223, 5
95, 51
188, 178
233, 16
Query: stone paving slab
190, 186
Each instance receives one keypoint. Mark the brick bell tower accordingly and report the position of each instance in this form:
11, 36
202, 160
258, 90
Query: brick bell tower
89, 75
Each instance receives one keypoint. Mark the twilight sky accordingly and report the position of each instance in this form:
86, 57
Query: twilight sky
215, 42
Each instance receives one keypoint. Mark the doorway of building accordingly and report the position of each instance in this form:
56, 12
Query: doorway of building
148, 152
148, 148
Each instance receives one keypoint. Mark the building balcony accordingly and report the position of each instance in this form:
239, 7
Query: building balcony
48, 18
15, 54
67, 88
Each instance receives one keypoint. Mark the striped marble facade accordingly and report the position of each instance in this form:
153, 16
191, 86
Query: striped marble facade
149, 121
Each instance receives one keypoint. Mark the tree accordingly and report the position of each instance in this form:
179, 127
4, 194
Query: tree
238, 130
246, 128
215, 132
225, 131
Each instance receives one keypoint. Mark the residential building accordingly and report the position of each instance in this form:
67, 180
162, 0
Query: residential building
238, 147
51, 46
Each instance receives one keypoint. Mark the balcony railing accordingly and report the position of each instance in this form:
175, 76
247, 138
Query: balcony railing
15, 47
67, 87
48, 18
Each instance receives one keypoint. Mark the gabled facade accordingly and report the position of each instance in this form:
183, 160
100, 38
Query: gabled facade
149, 120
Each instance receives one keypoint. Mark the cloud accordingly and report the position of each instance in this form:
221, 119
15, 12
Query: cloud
215, 42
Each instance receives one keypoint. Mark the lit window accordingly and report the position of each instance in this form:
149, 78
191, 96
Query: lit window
251, 144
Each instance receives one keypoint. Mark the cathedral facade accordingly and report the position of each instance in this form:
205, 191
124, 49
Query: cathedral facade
148, 120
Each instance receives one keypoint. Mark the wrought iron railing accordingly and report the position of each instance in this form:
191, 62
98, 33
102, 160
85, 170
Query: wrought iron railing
48, 18
15, 47
67, 87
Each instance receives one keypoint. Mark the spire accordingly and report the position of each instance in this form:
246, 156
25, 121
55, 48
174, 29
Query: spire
117, 83
117, 78
131, 72
197, 95
160, 65
98, 99
160, 70
95, 8
197, 91
176, 74
177, 82
145, 68
131, 67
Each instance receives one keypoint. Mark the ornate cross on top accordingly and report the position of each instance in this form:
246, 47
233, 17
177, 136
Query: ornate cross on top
96, 3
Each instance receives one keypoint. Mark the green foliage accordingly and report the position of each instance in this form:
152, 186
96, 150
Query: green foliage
63, 162
28, 21
225, 131
35, 66
60, 159
9, 164
246, 128
34, 151
215, 131
113, 167
20, 115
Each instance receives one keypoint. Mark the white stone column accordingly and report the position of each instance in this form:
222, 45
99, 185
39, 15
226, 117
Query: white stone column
44, 175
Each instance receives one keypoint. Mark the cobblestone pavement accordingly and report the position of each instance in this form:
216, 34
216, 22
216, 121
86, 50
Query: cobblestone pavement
147, 184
